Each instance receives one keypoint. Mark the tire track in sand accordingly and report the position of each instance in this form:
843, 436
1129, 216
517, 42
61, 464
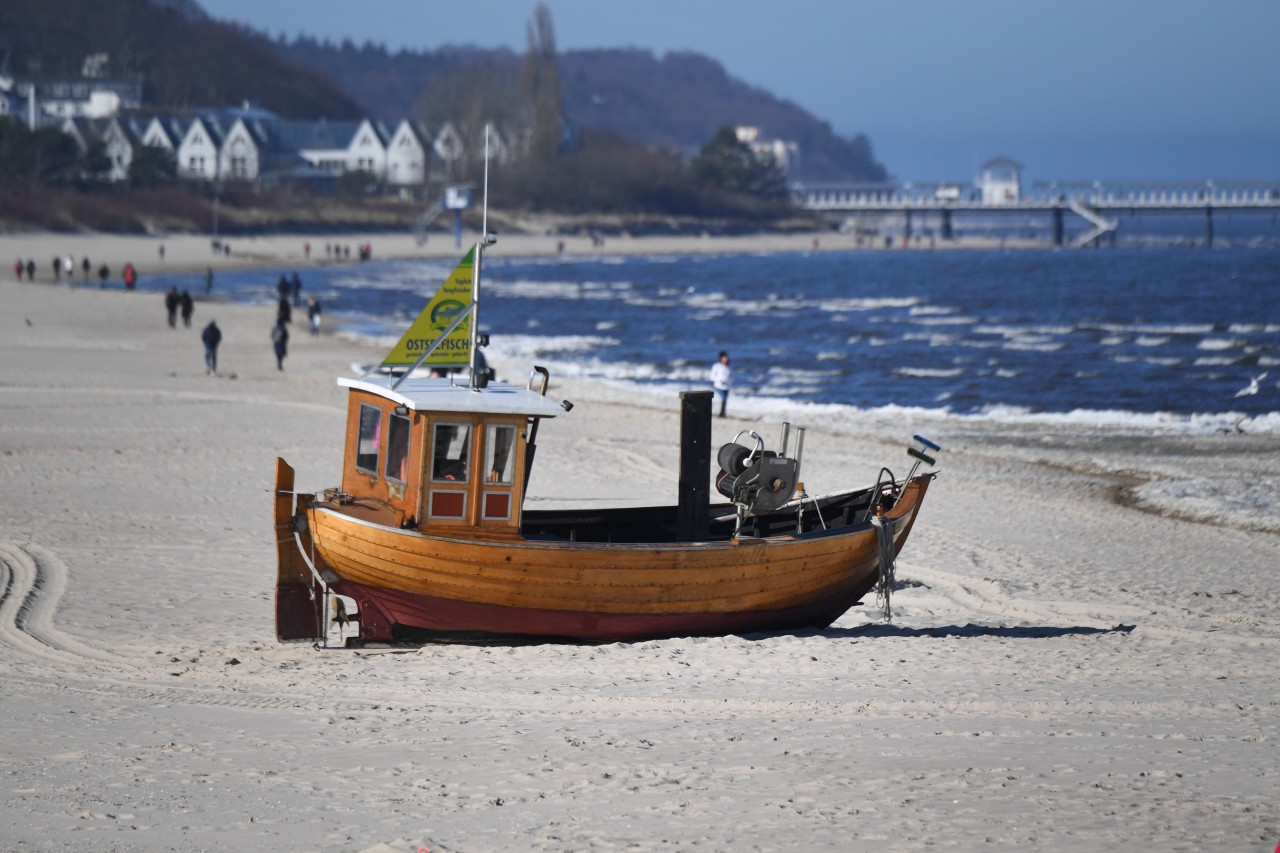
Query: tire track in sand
43, 657
34, 581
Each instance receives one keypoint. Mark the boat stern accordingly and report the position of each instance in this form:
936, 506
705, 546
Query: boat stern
299, 599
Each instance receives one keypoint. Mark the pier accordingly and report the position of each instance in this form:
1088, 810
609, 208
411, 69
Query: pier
1099, 203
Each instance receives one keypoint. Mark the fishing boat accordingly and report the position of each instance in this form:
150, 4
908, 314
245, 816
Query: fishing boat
426, 536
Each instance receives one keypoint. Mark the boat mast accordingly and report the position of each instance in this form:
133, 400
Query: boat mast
485, 241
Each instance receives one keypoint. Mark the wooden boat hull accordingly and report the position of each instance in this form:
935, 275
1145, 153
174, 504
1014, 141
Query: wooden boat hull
407, 583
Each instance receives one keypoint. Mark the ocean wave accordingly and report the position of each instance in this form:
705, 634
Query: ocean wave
929, 372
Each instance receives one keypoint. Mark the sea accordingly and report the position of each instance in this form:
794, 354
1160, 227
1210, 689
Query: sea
1168, 336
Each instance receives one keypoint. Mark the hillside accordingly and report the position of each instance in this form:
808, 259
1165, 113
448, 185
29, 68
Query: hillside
182, 58
678, 100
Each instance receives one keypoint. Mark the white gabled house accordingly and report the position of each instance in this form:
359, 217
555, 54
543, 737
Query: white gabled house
449, 148
164, 132
367, 151
242, 152
198, 153
120, 141
406, 156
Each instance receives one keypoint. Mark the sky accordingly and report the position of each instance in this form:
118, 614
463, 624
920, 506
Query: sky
1112, 90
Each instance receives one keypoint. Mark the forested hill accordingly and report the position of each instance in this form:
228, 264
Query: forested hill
183, 58
677, 100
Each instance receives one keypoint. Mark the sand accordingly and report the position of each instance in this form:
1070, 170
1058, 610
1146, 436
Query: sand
1069, 665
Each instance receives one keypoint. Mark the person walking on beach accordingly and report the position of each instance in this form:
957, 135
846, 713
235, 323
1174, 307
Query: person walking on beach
212, 336
17, 269
187, 306
171, 300
295, 284
31, 269
721, 379
130, 276
104, 273
284, 314
313, 313
208, 280
280, 338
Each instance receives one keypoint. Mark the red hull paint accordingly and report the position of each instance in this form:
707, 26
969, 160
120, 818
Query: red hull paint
298, 615
448, 617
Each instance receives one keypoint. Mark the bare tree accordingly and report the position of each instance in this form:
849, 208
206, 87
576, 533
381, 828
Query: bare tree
544, 97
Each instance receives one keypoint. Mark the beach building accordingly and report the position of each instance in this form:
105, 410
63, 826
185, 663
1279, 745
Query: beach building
200, 149
766, 148
255, 145
1001, 182
450, 149
407, 155
164, 131
58, 98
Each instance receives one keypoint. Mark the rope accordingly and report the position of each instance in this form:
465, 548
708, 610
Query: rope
884, 545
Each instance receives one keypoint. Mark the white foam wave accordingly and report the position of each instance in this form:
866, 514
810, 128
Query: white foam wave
1153, 328
955, 320
929, 372
1215, 344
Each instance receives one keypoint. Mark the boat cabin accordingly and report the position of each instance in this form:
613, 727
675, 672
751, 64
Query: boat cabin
436, 456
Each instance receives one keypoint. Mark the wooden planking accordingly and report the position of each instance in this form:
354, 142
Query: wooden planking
290, 567
641, 579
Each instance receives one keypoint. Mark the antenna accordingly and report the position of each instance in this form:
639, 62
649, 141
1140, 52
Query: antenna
484, 217
474, 382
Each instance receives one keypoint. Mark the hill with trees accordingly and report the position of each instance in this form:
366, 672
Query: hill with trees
678, 101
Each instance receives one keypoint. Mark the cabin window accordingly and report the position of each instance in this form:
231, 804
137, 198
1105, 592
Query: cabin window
370, 439
449, 452
499, 456
397, 448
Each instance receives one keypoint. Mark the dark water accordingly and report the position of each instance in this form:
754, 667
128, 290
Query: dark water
1124, 330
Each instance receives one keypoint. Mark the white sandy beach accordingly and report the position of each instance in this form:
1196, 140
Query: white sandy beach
1070, 666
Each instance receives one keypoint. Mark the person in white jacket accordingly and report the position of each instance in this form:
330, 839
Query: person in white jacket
721, 379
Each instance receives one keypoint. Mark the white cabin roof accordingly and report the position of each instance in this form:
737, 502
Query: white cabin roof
428, 394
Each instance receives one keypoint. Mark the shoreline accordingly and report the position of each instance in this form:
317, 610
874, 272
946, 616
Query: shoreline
193, 253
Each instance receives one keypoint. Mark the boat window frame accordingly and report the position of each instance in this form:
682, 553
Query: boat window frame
392, 417
491, 433
376, 437
468, 444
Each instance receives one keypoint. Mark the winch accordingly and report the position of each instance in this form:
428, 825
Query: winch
757, 480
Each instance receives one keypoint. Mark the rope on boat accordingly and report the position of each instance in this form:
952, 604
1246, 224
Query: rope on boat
324, 587
884, 546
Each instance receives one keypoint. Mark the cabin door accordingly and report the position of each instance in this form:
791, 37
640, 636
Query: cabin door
472, 474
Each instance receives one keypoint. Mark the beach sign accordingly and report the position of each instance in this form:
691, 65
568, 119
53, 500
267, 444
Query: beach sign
451, 300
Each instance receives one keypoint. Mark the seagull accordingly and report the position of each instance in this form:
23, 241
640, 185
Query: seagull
1252, 387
